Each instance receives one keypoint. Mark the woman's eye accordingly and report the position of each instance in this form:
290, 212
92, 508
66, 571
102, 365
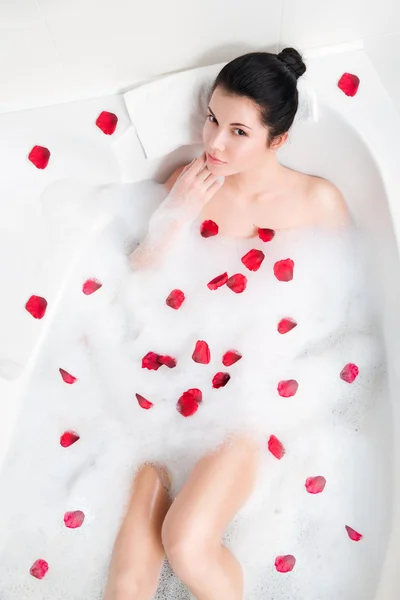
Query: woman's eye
241, 130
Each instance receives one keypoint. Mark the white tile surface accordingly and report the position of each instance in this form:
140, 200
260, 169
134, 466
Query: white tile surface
384, 51
106, 48
311, 23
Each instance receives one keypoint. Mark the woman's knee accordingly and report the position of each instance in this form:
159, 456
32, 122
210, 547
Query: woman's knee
186, 550
123, 587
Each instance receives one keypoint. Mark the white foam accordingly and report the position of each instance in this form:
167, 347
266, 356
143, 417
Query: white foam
329, 428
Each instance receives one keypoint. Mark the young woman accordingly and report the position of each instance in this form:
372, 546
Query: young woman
239, 184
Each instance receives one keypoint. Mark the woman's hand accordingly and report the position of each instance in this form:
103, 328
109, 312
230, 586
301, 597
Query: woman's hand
194, 187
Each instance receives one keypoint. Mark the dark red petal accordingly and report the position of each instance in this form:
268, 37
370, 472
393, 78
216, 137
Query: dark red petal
315, 485
237, 283
283, 269
353, 534
90, 286
253, 259
285, 325
231, 357
39, 156
349, 84
285, 564
189, 402
39, 568
276, 447
217, 282
74, 519
208, 229
220, 380
143, 403
201, 353
266, 235
175, 299
349, 372
68, 438
67, 377
151, 361
287, 388
168, 361
36, 306
107, 122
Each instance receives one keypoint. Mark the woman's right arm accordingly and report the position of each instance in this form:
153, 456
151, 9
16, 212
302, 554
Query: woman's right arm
190, 189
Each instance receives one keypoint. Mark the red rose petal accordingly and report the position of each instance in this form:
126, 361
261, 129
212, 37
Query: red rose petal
237, 283
39, 568
74, 519
151, 361
189, 402
353, 534
349, 372
349, 84
168, 361
36, 306
287, 388
220, 380
68, 438
266, 235
285, 564
107, 122
285, 325
218, 282
175, 299
231, 357
201, 353
283, 269
90, 286
208, 229
143, 403
315, 485
67, 377
253, 259
276, 447
39, 156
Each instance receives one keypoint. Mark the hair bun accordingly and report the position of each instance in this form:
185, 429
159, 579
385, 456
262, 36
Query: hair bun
293, 60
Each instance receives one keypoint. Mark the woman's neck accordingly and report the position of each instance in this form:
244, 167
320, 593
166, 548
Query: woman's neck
261, 179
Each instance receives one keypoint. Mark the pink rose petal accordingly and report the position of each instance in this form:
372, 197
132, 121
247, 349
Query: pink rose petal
287, 388
90, 286
349, 373
285, 564
220, 380
349, 84
231, 357
67, 377
143, 403
36, 306
74, 519
39, 568
208, 229
107, 122
285, 325
39, 156
276, 447
283, 269
266, 235
315, 485
68, 438
353, 534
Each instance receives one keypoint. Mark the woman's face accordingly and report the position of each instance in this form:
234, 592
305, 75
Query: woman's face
233, 133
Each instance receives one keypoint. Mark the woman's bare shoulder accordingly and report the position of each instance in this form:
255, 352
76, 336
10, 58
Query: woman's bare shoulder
328, 202
173, 177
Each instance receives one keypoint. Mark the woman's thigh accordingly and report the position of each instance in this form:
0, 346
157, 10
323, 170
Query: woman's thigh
218, 486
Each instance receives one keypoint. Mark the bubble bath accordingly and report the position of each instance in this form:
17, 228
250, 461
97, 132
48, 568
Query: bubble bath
308, 386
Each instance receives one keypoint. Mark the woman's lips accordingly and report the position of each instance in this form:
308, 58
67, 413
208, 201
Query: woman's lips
214, 160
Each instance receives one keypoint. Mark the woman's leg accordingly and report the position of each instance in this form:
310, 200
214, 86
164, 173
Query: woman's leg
218, 486
138, 552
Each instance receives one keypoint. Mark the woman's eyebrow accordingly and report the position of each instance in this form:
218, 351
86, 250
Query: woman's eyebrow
240, 124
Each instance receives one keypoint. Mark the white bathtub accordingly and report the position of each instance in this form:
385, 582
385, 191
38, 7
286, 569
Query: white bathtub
354, 144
